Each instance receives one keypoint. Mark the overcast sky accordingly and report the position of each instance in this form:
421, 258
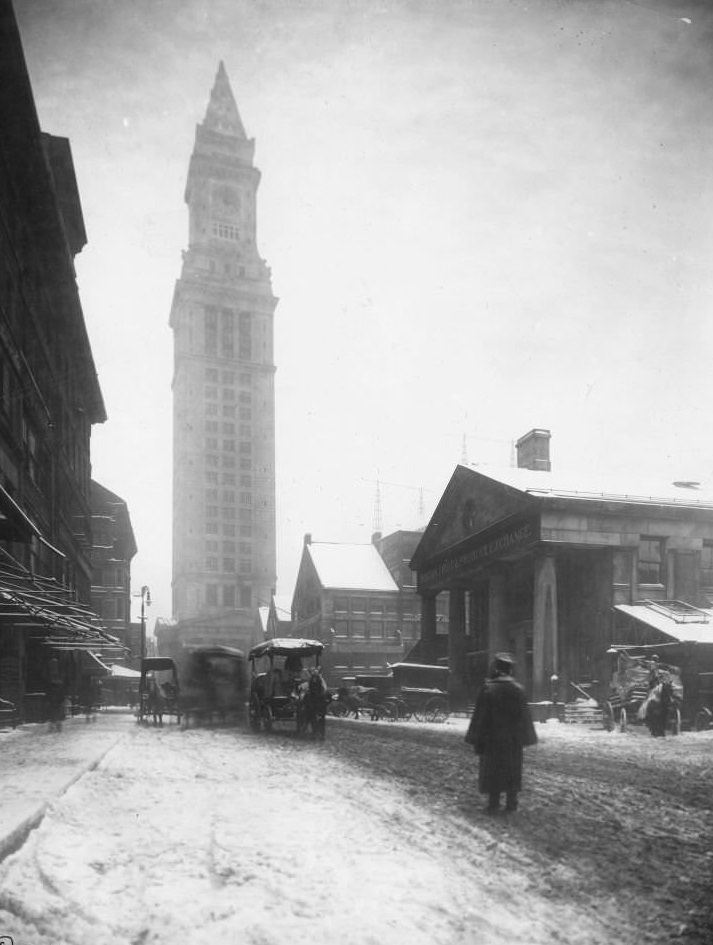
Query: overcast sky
481, 217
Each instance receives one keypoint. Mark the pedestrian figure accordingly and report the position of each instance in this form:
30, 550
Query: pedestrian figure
501, 726
55, 696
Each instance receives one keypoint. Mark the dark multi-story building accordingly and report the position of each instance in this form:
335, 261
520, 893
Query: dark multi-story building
223, 393
114, 546
49, 394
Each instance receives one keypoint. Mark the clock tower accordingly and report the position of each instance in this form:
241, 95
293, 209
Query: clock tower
223, 393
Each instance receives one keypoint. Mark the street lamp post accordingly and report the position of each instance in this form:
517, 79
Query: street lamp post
145, 602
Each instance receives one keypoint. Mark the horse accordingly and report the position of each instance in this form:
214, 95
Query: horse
314, 697
655, 709
155, 703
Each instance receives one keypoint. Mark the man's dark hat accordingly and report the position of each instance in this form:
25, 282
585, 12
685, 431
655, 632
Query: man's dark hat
506, 658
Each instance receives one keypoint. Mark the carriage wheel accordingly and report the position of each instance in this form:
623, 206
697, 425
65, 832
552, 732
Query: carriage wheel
704, 718
436, 710
623, 720
608, 716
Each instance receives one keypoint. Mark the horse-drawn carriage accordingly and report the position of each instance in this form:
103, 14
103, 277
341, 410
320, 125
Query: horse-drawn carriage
284, 688
159, 690
646, 690
214, 685
415, 690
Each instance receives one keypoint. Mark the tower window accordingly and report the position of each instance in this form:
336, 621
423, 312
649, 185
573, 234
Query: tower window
225, 231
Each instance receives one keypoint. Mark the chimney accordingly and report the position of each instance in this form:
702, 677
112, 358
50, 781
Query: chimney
533, 450
307, 539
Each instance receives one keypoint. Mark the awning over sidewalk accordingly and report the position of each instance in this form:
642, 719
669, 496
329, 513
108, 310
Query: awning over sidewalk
123, 672
45, 608
682, 622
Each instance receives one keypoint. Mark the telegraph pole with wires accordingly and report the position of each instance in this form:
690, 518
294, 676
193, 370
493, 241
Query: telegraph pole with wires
377, 521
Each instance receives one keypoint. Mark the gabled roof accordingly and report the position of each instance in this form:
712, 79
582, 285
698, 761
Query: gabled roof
588, 485
350, 567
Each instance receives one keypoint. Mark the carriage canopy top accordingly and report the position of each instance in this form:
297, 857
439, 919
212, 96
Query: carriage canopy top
156, 664
284, 646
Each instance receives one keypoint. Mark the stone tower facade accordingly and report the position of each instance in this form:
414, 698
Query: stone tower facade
223, 392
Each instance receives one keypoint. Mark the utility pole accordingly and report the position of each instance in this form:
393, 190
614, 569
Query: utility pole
145, 602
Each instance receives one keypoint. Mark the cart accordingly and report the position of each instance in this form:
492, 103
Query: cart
633, 689
704, 715
409, 690
214, 685
286, 685
159, 691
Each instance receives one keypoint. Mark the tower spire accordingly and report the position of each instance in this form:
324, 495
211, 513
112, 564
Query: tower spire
222, 113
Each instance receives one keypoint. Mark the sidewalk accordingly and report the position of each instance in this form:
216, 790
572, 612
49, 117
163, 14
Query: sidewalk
37, 766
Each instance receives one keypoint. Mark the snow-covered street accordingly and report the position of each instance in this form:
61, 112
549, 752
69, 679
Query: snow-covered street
220, 836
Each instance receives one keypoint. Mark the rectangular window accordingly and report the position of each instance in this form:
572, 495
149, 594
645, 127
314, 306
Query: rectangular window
245, 337
229, 529
229, 410
228, 428
246, 397
211, 375
228, 595
211, 564
229, 446
358, 605
376, 629
707, 564
229, 564
211, 426
211, 528
246, 596
246, 531
341, 605
211, 511
211, 410
211, 545
210, 392
228, 547
341, 628
228, 377
226, 333
210, 339
211, 594
246, 566
651, 557
358, 629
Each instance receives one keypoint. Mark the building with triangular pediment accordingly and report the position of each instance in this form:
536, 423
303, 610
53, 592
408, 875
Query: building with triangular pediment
557, 568
223, 393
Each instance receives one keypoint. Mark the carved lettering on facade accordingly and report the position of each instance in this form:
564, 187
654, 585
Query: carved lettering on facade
517, 537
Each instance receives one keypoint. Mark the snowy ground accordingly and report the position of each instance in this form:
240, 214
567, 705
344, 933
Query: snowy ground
220, 836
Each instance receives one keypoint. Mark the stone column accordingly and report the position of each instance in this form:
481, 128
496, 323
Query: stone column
545, 656
457, 646
496, 613
428, 626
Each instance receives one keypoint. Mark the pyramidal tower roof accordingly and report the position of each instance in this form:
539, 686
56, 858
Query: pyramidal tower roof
222, 113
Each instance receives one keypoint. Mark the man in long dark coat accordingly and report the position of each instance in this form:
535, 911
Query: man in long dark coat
501, 726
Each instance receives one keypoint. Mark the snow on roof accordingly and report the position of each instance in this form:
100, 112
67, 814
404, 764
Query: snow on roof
351, 567
586, 485
683, 630
283, 606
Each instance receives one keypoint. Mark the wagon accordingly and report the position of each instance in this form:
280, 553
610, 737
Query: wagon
415, 690
159, 690
630, 692
286, 685
213, 685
